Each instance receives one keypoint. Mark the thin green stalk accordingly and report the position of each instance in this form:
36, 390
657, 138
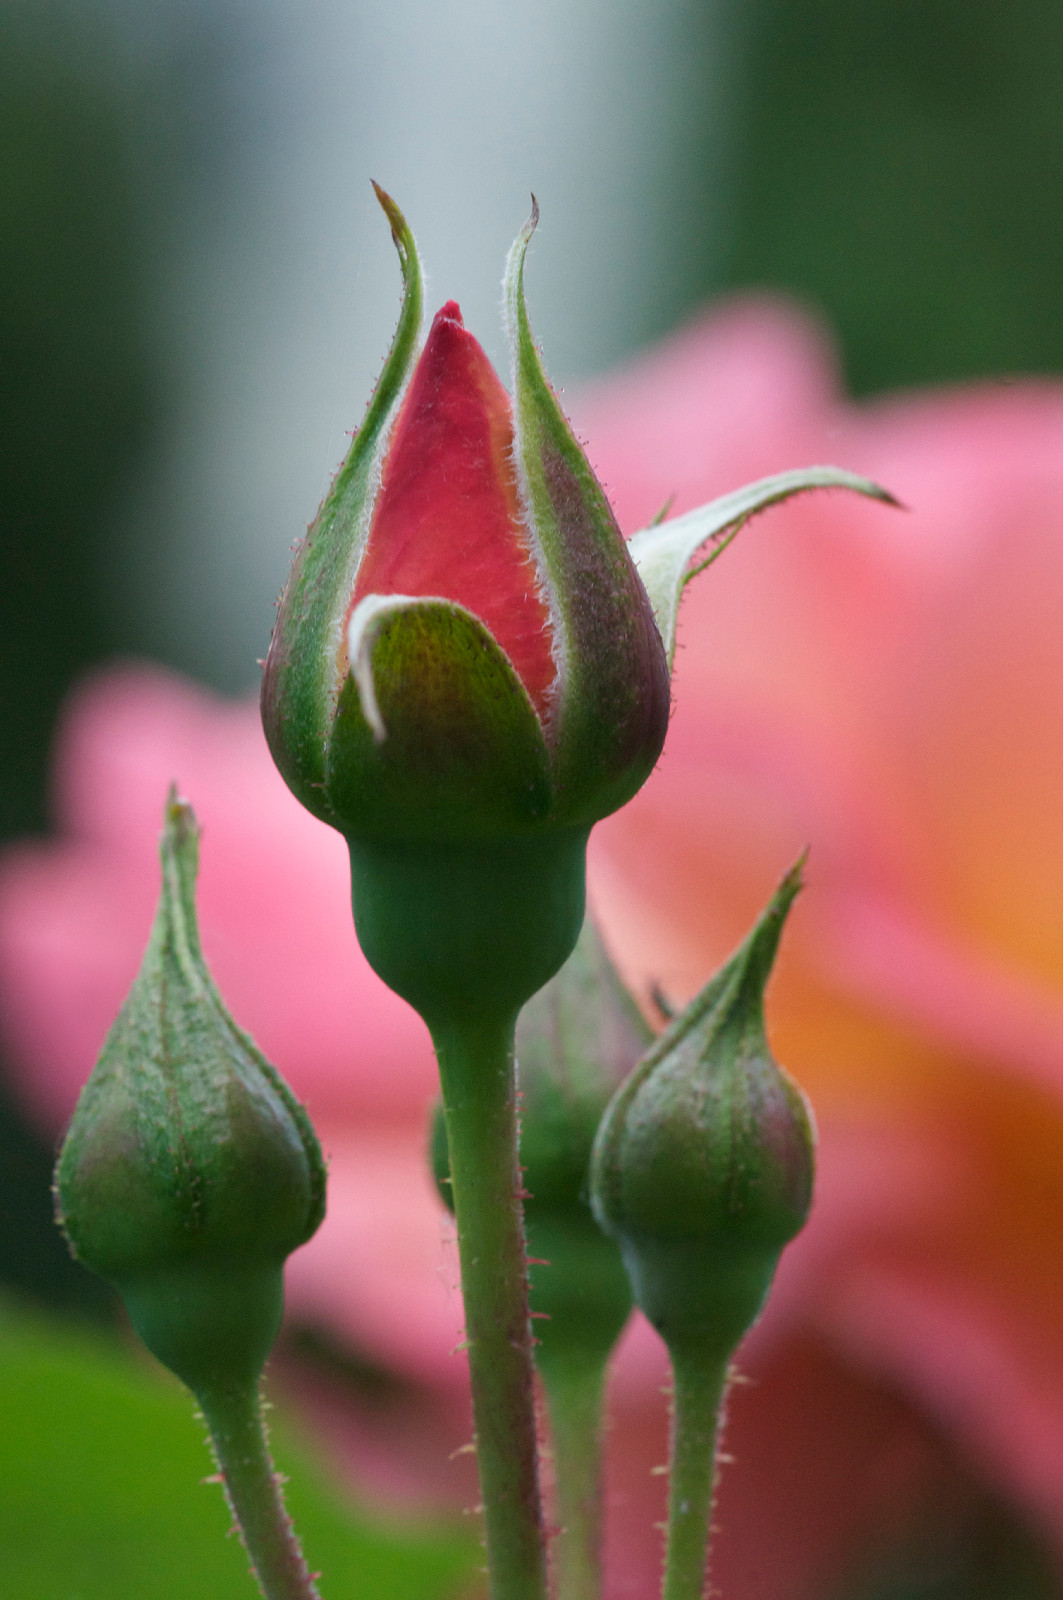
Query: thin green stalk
479, 1103
574, 1398
253, 1490
699, 1388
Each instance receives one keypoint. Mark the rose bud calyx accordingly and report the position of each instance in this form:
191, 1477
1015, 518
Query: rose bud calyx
704, 1161
189, 1171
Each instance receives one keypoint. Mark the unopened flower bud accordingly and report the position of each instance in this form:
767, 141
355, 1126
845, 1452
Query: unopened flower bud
465, 672
704, 1161
577, 1040
189, 1172
464, 649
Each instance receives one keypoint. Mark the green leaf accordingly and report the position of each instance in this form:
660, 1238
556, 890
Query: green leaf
102, 1465
662, 553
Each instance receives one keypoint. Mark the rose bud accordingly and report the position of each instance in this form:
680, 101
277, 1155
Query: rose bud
464, 648
465, 671
189, 1172
703, 1164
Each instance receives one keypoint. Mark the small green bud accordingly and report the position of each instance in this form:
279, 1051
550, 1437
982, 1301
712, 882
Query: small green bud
577, 1039
703, 1164
189, 1172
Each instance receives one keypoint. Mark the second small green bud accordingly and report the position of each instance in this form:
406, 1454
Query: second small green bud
703, 1165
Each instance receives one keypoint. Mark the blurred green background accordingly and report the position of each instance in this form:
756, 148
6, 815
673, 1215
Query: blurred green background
196, 291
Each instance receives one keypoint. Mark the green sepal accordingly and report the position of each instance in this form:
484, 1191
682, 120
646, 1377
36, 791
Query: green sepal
577, 1040
306, 667
435, 736
664, 551
613, 706
188, 1161
703, 1165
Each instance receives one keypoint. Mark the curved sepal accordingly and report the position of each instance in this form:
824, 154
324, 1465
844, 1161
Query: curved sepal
306, 667
613, 701
435, 735
663, 553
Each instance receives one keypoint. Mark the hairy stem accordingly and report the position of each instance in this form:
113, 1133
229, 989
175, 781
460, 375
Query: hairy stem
574, 1398
479, 1103
699, 1390
252, 1488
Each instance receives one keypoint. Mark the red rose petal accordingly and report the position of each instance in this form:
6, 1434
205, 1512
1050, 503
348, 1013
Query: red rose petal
447, 520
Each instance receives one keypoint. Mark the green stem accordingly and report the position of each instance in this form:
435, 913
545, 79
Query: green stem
479, 1103
252, 1488
574, 1398
699, 1390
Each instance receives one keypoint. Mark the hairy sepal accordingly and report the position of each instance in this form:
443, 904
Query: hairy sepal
306, 668
435, 736
664, 552
612, 706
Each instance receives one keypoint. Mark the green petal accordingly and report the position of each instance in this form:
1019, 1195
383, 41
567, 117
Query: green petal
662, 553
435, 735
305, 669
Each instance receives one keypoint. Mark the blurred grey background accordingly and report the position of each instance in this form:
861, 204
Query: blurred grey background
197, 288
261, 284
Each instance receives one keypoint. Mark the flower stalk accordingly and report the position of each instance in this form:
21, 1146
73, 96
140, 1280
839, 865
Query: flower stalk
480, 1108
576, 1041
236, 1424
574, 1393
699, 1385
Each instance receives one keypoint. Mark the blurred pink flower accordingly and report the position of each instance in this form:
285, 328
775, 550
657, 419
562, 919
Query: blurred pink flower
887, 688
277, 932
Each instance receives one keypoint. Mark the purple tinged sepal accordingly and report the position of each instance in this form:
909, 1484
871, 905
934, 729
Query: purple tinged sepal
613, 695
703, 1165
